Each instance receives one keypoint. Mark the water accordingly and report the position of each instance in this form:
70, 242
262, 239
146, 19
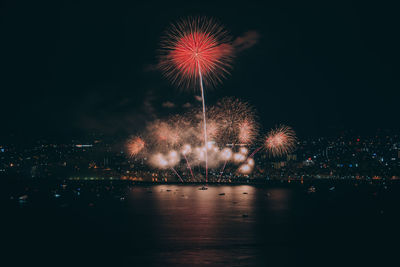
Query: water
179, 225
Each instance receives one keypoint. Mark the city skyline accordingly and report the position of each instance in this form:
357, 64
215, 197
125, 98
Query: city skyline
99, 157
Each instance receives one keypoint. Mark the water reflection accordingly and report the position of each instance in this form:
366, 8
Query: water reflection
223, 224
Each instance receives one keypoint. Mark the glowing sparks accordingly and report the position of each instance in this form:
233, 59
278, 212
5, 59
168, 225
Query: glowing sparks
239, 157
243, 151
236, 121
250, 162
135, 146
173, 158
162, 161
163, 134
158, 160
245, 169
186, 149
247, 131
197, 52
280, 141
226, 154
180, 137
194, 47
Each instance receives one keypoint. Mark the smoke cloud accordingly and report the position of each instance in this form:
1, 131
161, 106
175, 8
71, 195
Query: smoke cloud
246, 41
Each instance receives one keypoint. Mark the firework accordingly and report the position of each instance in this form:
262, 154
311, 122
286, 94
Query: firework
236, 121
245, 169
196, 50
250, 162
187, 149
166, 161
196, 132
226, 154
165, 134
162, 161
238, 157
173, 158
280, 141
195, 47
159, 161
248, 131
243, 151
134, 146
177, 174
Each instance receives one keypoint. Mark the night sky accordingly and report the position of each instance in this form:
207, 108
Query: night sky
70, 69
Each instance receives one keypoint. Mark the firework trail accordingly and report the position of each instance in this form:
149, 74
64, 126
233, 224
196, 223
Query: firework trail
190, 168
186, 150
169, 161
196, 49
204, 120
226, 155
180, 178
255, 151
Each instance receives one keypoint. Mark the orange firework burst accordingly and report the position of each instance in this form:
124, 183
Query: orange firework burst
163, 133
237, 123
134, 146
171, 132
194, 47
280, 141
247, 131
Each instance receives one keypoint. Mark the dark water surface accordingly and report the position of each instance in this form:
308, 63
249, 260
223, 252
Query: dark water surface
179, 225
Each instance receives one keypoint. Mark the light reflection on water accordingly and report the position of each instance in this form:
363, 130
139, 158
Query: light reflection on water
179, 225
202, 226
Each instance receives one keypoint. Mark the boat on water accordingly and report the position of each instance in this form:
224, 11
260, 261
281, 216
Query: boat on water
221, 194
23, 199
203, 188
311, 189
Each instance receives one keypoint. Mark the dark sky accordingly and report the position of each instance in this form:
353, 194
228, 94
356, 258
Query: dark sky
70, 68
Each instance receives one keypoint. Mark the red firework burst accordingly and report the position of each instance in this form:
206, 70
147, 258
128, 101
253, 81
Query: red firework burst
194, 47
280, 141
